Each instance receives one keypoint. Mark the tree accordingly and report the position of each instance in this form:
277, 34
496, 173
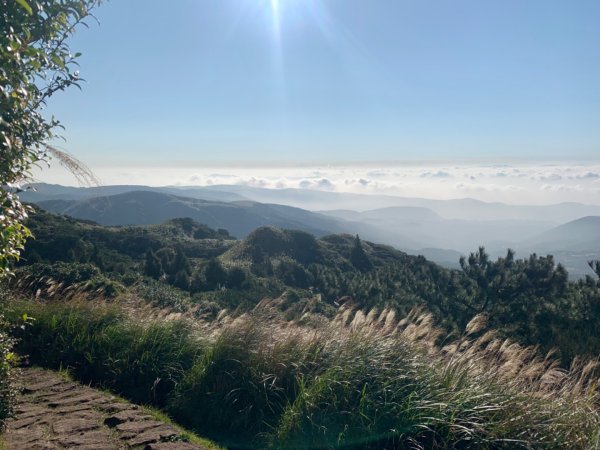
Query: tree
595, 266
236, 277
197, 283
358, 257
520, 297
182, 280
152, 266
35, 63
166, 255
181, 263
214, 274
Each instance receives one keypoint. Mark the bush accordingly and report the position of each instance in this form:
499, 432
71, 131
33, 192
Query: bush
7, 389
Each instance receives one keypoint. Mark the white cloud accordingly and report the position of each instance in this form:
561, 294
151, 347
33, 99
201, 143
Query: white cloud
322, 184
517, 183
438, 174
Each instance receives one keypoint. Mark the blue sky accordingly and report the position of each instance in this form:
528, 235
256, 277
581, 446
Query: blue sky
188, 82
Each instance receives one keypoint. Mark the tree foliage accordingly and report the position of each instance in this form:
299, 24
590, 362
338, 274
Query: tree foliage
358, 257
35, 63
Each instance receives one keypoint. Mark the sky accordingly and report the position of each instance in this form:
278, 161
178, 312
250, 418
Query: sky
257, 84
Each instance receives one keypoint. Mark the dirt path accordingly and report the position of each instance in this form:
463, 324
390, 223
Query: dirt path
54, 413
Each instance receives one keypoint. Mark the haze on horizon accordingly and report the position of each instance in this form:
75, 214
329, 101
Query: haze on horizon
531, 183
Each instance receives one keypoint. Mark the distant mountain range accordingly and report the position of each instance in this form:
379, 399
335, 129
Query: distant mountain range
579, 235
150, 207
38, 192
458, 209
441, 230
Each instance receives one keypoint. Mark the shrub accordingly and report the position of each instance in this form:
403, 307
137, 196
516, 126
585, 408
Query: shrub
7, 389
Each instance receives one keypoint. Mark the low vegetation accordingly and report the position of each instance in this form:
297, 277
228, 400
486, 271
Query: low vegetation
357, 381
8, 361
7, 390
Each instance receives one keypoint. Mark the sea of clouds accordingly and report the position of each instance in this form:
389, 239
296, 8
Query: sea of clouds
525, 183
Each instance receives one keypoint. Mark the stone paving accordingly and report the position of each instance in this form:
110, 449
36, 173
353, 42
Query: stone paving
53, 413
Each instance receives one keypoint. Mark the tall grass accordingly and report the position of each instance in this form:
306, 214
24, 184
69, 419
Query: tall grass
390, 388
358, 381
98, 344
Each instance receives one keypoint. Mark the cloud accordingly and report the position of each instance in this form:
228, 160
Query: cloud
321, 184
254, 182
534, 183
377, 173
438, 174
562, 188
477, 187
588, 176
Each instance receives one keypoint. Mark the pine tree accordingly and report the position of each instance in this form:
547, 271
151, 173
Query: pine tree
595, 266
236, 278
182, 280
358, 257
152, 265
197, 284
214, 274
181, 263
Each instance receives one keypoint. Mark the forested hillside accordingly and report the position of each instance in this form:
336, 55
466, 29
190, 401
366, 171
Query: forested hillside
183, 264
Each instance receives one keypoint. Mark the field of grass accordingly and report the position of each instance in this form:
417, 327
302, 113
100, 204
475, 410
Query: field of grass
358, 381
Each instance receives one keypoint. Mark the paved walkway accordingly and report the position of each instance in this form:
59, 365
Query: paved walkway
54, 413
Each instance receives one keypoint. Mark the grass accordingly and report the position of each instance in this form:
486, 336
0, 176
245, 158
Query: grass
141, 361
366, 381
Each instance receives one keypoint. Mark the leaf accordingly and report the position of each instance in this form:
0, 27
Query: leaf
25, 6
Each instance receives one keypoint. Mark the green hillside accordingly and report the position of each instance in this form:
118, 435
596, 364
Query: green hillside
186, 265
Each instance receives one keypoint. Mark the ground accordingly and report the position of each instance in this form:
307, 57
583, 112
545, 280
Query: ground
55, 413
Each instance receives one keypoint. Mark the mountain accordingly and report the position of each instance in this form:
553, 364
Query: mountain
147, 207
446, 258
579, 235
431, 230
456, 209
405, 213
439, 229
572, 244
41, 192
460, 209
